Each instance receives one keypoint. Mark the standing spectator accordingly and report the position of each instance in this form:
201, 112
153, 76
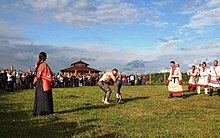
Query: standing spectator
136, 80
61, 81
23, 80
4, 79
43, 103
27, 80
76, 81
132, 80
13, 75
144, 79
10, 85
18, 80
123, 81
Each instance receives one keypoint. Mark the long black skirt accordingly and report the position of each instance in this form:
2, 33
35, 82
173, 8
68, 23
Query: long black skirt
43, 103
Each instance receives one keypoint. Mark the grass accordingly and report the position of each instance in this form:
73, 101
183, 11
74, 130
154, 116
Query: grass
146, 112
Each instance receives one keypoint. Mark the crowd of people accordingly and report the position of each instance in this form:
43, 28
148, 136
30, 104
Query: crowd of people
16, 80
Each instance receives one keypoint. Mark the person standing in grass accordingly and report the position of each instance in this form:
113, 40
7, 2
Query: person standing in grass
117, 88
103, 84
43, 103
193, 74
214, 77
203, 77
175, 81
10, 84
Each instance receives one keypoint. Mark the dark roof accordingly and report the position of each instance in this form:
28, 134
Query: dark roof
80, 62
80, 69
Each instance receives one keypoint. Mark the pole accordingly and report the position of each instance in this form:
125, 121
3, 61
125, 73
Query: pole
165, 78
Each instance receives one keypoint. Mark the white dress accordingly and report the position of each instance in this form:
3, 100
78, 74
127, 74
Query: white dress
214, 76
192, 77
203, 77
175, 78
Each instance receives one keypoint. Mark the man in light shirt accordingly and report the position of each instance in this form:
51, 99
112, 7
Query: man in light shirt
103, 84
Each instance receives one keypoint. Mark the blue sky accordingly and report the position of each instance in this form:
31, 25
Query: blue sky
133, 36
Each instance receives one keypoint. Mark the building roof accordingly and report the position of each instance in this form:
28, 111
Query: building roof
80, 62
80, 69
80, 66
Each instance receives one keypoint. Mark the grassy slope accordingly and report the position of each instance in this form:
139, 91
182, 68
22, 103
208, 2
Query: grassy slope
146, 112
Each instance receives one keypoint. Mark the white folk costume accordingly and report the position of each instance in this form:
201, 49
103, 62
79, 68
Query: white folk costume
193, 74
214, 76
203, 79
175, 80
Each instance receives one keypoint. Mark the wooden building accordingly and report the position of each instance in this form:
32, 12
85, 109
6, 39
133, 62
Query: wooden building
79, 68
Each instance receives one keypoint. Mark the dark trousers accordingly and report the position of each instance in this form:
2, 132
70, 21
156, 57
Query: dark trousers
117, 87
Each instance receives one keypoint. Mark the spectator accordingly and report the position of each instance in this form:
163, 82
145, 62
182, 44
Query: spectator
10, 85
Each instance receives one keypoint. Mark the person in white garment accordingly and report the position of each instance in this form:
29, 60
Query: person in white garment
214, 76
175, 81
193, 74
203, 78
103, 83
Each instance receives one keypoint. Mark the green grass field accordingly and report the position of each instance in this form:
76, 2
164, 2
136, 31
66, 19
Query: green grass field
79, 112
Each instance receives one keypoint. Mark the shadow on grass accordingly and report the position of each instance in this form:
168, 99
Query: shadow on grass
89, 107
18, 123
134, 99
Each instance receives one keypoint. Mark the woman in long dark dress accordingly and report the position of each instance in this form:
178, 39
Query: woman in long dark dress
43, 103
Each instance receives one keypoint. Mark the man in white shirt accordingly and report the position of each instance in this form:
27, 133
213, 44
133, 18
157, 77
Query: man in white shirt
103, 84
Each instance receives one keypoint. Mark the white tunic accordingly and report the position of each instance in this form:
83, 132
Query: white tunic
203, 77
192, 77
214, 74
175, 78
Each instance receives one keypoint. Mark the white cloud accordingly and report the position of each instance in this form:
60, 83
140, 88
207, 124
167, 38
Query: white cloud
166, 44
205, 14
156, 23
161, 3
9, 30
86, 13
205, 18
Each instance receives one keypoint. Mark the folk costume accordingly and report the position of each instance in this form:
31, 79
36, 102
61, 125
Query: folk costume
175, 81
214, 79
43, 103
193, 74
203, 79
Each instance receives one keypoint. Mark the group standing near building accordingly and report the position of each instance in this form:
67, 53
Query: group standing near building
43, 79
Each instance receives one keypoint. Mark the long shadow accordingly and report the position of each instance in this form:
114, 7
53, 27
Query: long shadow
134, 99
190, 94
20, 123
85, 108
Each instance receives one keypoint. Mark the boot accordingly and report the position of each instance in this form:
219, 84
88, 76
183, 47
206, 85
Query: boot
199, 90
211, 91
170, 96
206, 90
119, 99
183, 96
106, 101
